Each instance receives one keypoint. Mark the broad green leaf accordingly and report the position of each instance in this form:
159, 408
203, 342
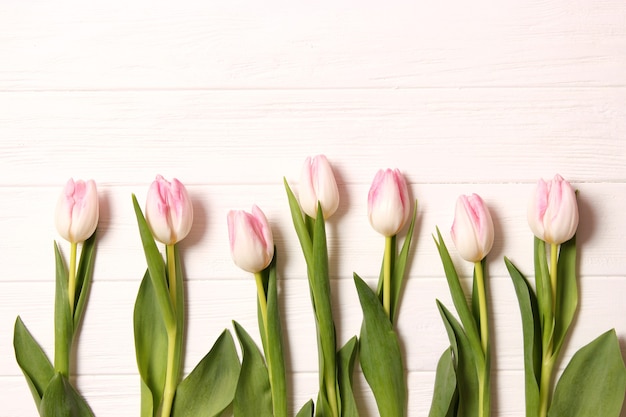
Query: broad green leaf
380, 355
63, 321
465, 361
253, 396
147, 401
544, 291
32, 360
345, 363
445, 400
150, 342
61, 400
83, 277
531, 330
399, 268
274, 346
460, 302
306, 410
156, 267
210, 388
299, 225
567, 292
594, 382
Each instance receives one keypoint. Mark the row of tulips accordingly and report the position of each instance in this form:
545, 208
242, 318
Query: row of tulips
593, 383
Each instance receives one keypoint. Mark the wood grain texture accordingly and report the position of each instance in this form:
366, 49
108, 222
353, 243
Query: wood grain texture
230, 97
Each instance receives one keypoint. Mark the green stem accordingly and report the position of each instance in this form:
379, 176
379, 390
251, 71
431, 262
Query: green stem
71, 285
482, 305
554, 258
387, 261
173, 341
258, 276
545, 383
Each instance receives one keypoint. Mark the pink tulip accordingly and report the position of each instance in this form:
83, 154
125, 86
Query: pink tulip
553, 211
317, 183
77, 211
251, 241
388, 202
169, 211
472, 230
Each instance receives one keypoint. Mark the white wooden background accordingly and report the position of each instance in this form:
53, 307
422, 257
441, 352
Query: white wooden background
229, 97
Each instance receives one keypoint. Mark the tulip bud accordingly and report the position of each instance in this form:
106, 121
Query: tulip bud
169, 211
77, 211
388, 203
472, 230
553, 211
251, 241
317, 183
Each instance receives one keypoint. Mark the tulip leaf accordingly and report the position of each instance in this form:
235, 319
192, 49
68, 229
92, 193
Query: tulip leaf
593, 383
253, 395
567, 292
83, 277
460, 302
63, 321
306, 410
465, 365
156, 267
544, 291
150, 344
380, 355
32, 360
345, 363
210, 388
299, 224
61, 400
445, 400
531, 331
399, 268
274, 344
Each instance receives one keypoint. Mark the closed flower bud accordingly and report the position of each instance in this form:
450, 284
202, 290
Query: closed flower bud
388, 205
472, 230
553, 211
77, 211
169, 211
317, 184
251, 241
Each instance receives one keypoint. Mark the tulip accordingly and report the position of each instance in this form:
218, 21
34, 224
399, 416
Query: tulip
317, 184
251, 241
169, 211
77, 211
388, 202
472, 230
553, 211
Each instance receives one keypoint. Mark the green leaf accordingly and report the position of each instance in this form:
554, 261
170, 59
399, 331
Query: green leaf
531, 329
306, 410
445, 395
275, 345
156, 267
63, 321
544, 291
253, 396
299, 224
32, 360
460, 302
210, 388
83, 277
61, 400
466, 368
594, 382
567, 292
399, 268
345, 364
150, 343
380, 355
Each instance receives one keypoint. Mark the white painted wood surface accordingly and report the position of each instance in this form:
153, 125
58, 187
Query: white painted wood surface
230, 97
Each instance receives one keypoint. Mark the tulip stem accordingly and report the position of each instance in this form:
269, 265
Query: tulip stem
482, 305
173, 340
554, 258
387, 261
71, 285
